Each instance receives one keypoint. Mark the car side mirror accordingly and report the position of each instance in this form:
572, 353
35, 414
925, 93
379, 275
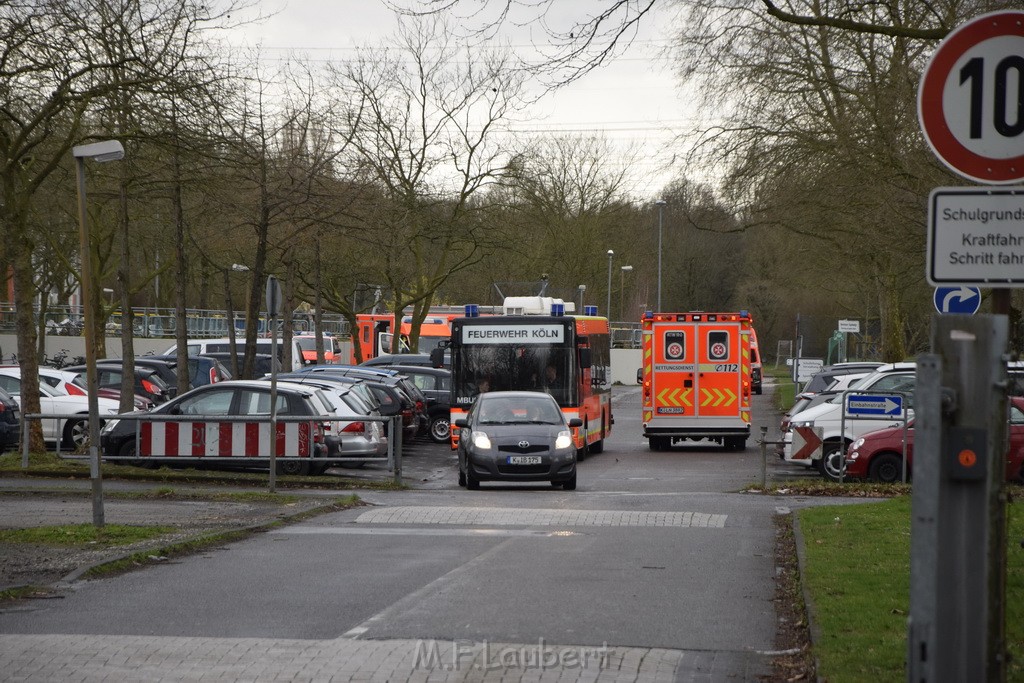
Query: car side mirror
639, 375
462, 423
575, 422
176, 410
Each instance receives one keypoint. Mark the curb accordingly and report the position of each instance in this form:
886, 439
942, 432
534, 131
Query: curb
812, 622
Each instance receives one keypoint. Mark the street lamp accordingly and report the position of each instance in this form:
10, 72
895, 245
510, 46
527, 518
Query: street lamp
108, 150
622, 290
608, 308
661, 206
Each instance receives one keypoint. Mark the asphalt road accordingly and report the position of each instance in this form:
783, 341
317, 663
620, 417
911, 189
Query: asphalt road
658, 556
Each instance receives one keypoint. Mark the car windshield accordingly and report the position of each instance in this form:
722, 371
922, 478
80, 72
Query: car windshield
519, 411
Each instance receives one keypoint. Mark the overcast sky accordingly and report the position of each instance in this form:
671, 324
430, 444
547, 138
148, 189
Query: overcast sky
633, 100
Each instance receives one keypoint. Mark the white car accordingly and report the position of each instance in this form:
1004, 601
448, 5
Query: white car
71, 432
354, 437
896, 378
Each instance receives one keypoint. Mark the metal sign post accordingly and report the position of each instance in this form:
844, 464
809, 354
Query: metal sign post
273, 309
957, 624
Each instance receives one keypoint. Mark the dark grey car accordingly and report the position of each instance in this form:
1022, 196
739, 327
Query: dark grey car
517, 436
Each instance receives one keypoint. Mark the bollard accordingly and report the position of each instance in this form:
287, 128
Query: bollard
397, 431
764, 459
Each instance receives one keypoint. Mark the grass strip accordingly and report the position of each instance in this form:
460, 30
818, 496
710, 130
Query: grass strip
858, 576
83, 534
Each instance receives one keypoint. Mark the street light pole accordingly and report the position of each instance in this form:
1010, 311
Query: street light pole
608, 308
622, 291
661, 206
108, 150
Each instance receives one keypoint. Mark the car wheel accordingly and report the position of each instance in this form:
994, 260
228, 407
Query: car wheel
440, 429
735, 443
472, 483
660, 443
570, 484
76, 434
292, 466
831, 465
887, 468
127, 450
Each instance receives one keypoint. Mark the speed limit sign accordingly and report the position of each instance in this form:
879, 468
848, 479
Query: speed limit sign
971, 99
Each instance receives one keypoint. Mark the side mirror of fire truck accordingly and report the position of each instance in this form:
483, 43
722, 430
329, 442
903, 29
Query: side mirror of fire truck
585, 358
437, 355
639, 375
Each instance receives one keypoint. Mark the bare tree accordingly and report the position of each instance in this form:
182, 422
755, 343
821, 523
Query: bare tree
54, 74
429, 141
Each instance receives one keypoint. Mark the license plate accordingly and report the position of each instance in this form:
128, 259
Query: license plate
524, 460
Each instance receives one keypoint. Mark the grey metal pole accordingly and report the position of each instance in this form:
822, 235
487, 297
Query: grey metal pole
90, 351
764, 459
661, 206
608, 308
273, 401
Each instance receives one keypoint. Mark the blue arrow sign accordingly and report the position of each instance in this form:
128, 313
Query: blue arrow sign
966, 300
874, 405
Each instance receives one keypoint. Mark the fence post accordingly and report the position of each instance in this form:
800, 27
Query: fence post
764, 459
397, 432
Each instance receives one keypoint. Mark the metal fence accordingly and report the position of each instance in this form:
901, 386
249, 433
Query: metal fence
393, 459
162, 323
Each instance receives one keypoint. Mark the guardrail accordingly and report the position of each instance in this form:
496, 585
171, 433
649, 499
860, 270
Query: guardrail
393, 459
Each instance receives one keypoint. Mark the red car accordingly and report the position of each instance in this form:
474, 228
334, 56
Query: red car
879, 455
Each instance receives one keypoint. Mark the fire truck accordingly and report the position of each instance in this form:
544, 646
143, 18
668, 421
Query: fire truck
696, 378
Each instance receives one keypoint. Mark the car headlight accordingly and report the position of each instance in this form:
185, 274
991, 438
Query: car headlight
110, 424
858, 443
563, 440
481, 440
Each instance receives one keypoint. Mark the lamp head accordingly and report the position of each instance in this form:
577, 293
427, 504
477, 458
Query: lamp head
107, 150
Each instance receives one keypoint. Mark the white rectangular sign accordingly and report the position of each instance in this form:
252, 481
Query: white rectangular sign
849, 326
976, 236
808, 368
513, 334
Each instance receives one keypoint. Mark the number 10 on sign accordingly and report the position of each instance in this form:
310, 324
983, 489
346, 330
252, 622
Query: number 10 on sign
971, 99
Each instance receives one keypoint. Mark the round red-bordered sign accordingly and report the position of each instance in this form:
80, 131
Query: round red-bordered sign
970, 103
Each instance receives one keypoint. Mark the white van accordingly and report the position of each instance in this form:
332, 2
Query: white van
197, 347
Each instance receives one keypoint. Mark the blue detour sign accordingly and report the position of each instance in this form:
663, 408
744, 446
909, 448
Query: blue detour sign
965, 300
880, 406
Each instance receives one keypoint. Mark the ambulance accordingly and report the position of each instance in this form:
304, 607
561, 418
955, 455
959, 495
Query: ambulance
696, 378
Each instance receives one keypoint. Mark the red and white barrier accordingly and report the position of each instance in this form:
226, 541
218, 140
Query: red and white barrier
224, 439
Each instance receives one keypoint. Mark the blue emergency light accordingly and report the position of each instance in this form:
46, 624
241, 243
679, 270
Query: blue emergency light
590, 310
557, 309
472, 311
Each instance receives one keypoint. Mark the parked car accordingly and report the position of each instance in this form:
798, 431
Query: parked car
203, 347
222, 443
202, 370
828, 374
435, 383
74, 384
423, 359
810, 399
71, 432
264, 362
516, 436
164, 368
353, 438
878, 455
828, 417
10, 422
148, 383
392, 390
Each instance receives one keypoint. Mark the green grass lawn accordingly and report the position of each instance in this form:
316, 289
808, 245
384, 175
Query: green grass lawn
858, 575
